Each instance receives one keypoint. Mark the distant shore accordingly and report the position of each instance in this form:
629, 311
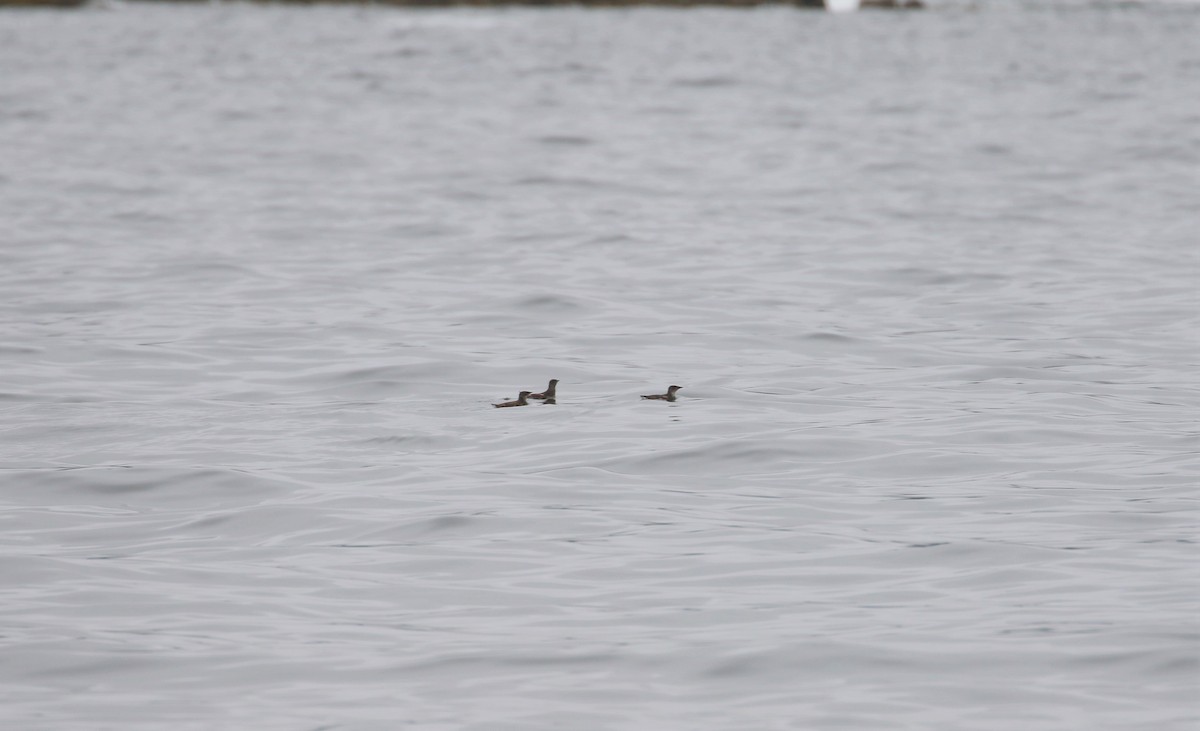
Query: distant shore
885, 4
42, 3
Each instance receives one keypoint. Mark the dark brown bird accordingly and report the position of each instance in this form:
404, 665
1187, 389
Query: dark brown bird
521, 401
668, 396
548, 393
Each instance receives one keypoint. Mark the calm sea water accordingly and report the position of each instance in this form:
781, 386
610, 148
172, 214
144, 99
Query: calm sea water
929, 281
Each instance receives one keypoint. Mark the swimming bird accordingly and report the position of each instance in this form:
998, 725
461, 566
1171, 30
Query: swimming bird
521, 401
668, 396
548, 394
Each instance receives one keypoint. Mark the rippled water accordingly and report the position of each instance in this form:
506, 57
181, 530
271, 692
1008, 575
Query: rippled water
929, 281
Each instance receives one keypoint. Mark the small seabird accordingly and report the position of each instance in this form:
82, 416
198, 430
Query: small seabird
548, 394
668, 396
521, 401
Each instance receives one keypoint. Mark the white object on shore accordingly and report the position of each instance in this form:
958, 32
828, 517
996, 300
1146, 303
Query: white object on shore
841, 6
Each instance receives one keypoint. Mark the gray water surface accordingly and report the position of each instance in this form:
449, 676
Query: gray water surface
929, 281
